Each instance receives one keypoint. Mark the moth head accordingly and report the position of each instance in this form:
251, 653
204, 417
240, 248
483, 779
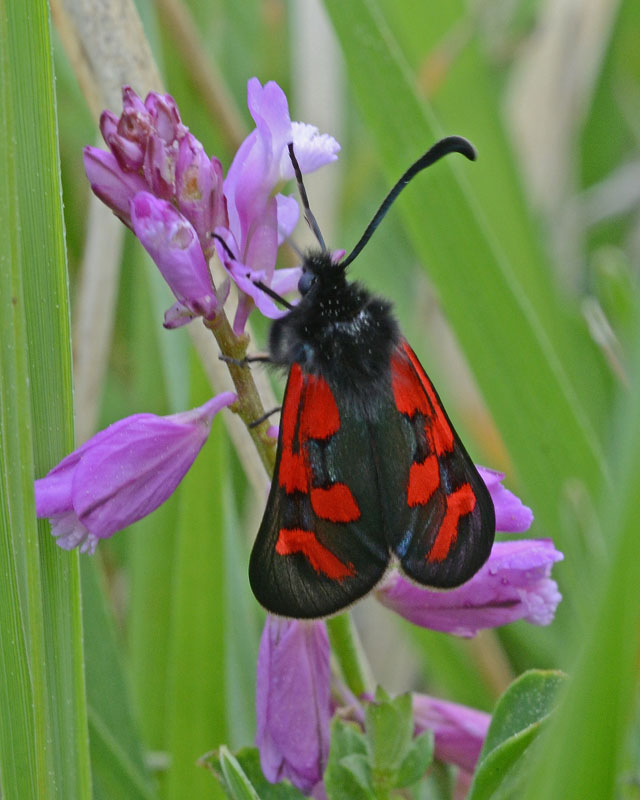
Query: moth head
319, 269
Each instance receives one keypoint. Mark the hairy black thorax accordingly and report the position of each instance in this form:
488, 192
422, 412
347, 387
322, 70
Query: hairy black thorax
338, 330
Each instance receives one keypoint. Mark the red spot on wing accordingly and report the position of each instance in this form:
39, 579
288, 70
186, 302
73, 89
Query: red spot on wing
335, 504
296, 540
424, 479
459, 503
437, 428
309, 412
408, 393
320, 416
293, 470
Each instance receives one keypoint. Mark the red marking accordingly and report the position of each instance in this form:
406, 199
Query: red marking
438, 429
320, 416
424, 479
293, 470
408, 394
335, 504
295, 540
459, 503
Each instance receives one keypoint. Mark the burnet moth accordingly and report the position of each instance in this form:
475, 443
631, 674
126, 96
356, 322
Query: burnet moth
369, 470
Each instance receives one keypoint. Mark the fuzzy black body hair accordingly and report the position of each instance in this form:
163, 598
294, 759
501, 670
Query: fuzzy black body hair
339, 330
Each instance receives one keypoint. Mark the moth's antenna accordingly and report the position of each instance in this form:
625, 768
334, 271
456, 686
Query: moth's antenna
263, 286
308, 214
450, 144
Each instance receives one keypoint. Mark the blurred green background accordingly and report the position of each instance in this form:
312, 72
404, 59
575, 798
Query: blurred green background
515, 279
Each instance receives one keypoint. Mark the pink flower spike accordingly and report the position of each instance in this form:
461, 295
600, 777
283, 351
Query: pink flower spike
173, 244
165, 116
110, 183
293, 701
128, 152
459, 731
511, 513
199, 191
513, 584
159, 167
122, 473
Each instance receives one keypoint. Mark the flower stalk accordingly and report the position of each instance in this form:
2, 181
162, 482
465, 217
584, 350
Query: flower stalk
345, 646
249, 406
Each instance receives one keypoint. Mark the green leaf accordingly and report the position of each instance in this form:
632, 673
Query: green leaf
516, 722
249, 760
118, 767
196, 705
388, 730
583, 753
44, 717
348, 773
418, 758
529, 698
532, 355
236, 781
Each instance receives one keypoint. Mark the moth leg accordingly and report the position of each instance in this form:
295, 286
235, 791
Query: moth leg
263, 358
265, 416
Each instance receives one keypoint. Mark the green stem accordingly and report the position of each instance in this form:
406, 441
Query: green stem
348, 652
249, 405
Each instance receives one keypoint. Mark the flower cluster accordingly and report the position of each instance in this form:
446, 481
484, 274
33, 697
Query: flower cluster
157, 178
159, 181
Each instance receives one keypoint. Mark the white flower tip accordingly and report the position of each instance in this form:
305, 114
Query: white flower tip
71, 533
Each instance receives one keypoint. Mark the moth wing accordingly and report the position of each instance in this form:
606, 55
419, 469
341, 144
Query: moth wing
441, 520
321, 545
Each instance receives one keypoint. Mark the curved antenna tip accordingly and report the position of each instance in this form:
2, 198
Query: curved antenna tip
454, 144
450, 144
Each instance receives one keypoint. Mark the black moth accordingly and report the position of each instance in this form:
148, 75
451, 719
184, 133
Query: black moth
369, 470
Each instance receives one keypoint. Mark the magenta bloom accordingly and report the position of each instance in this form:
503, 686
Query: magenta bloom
292, 701
511, 513
513, 584
122, 473
144, 144
259, 219
199, 191
151, 153
459, 731
173, 244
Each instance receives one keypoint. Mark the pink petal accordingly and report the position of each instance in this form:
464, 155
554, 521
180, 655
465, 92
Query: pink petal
513, 584
292, 701
511, 513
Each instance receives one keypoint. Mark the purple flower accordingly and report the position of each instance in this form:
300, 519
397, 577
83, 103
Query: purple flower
144, 143
199, 191
113, 186
152, 152
173, 244
259, 219
459, 731
122, 473
511, 513
292, 701
513, 584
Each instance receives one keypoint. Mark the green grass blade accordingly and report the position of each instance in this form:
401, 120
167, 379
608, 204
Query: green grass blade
583, 754
196, 706
116, 752
23, 766
45, 708
508, 326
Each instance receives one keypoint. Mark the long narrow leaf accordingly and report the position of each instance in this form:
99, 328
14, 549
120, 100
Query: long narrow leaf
504, 327
46, 709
